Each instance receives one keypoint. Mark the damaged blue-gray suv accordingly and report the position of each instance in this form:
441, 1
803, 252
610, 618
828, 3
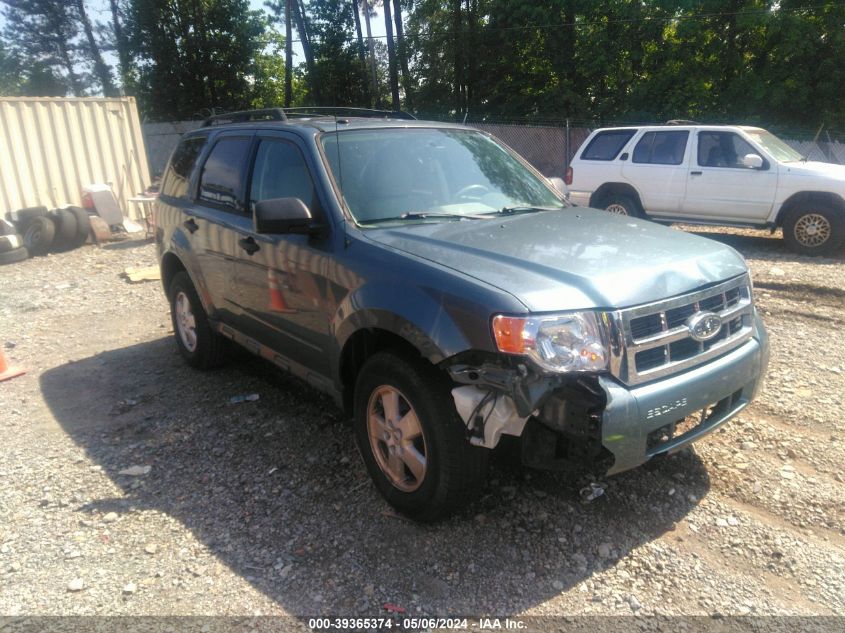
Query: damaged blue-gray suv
445, 294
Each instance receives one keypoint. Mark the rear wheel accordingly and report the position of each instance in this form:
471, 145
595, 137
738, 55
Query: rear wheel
199, 344
413, 443
814, 229
621, 204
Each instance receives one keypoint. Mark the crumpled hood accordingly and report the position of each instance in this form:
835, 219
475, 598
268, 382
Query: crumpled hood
571, 259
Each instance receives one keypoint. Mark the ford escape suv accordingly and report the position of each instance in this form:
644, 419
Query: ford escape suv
444, 294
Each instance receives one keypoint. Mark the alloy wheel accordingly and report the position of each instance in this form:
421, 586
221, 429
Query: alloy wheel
812, 229
396, 438
186, 324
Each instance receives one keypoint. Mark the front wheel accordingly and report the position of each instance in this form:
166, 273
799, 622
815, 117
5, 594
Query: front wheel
413, 443
814, 229
198, 343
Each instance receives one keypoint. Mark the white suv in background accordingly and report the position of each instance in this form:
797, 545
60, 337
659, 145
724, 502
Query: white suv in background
712, 174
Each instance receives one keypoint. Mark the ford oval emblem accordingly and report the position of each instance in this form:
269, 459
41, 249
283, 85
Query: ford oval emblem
704, 326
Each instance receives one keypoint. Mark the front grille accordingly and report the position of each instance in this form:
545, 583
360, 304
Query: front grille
657, 340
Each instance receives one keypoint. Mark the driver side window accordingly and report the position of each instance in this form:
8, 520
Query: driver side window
280, 171
722, 149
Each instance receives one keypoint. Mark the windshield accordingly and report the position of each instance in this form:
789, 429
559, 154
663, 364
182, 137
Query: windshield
421, 174
772, 144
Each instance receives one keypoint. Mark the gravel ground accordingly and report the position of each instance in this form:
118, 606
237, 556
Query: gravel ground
130, 485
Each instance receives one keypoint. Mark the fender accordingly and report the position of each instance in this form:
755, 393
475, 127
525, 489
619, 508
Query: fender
804, 197
427, 321
626, 188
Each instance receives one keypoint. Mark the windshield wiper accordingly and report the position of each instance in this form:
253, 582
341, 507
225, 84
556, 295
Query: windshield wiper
421, 215
425, 214
525, 209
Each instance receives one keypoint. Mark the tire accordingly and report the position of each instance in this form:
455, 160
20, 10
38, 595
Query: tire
620, 204
39, 235
814, 228
17, 255
10, 243
454, 470
209, 347
66, 229
83, 226
22, 217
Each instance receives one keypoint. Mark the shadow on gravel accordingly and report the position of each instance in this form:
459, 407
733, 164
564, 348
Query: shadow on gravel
767, 247
128, 243
275, 490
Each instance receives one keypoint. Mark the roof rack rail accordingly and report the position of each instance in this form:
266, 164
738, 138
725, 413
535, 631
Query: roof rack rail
681, 122
245, 116
349, 111
283, 114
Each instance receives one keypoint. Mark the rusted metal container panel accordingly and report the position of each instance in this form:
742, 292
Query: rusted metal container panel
51, 147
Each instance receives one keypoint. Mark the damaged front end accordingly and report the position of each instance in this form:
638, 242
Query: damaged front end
557, 417
570, 419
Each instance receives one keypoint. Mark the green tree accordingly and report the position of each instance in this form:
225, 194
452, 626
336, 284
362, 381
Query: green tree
269, 75
337, 65
805, 78
102, 71
120, 42
191, 56
391, 56
11, 75
42, 34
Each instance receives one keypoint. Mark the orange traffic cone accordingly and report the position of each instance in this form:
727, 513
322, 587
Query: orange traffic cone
277, 299
7, 372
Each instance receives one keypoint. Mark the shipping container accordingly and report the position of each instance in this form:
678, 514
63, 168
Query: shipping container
51, 147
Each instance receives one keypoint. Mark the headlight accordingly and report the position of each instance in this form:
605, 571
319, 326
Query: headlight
559, 343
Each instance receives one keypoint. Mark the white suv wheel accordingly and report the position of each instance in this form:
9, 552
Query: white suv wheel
812, 229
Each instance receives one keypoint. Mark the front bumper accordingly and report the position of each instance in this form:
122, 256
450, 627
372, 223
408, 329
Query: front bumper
639, 423
580, 198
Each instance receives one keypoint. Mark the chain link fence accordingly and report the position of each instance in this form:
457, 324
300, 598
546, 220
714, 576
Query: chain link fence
548, 147
160, 140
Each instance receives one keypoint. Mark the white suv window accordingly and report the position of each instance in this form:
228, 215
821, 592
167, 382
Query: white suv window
607, 145
661, 148
722, 149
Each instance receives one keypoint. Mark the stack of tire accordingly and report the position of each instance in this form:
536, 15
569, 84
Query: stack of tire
36, 231
11, 244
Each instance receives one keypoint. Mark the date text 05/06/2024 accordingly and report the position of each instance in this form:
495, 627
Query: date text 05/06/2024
416, 624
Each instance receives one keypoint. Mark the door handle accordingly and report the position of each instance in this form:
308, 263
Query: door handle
191, 225
695, 173
249, 245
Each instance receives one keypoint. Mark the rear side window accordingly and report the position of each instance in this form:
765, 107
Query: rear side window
178, 175
222, 182
607, 145
661, 148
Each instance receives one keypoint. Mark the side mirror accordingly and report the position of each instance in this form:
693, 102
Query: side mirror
559, 186
282, 215
752, 161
